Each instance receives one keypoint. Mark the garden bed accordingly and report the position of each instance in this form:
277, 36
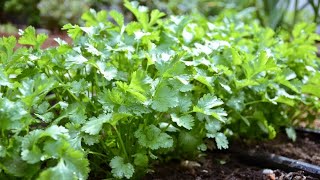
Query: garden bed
128, 98
226, 165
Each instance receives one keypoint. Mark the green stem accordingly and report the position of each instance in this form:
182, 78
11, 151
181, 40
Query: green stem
121, 143
254, 102
96, 153
316, 12
295, 13
166, 128
74, 96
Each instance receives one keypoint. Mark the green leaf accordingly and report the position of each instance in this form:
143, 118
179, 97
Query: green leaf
185, 102
11, 114
94, 125
31, 151
164, 98
262, 63
34, 90
78, 87
152, 137
141, 160
16, 167
208, 81
155, 16
186, 121
74, 31
60, 171
221, 140
189, 142
75, 112
92, 18
236, 58
312, 86
212, 128
108, 72
7, 45
291, 133
29, 37
118, 17
140, 12
120, 169
207, 102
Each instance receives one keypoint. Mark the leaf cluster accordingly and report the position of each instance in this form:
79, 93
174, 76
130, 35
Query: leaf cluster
122, 95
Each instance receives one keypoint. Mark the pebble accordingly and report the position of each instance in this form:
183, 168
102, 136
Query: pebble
267, 171
269, 174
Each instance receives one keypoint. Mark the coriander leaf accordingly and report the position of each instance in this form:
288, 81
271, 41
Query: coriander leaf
120, 169
92, 18
188, 142
30, 151
141, 159
74, 31
221, 140
91, 49
212, 128
262, 63
140, 81
291, 133
72, 159
29, 37
185, 102
118, 17
4, 80
7, 45
78, 87
35, 89
75, 112
164, 98
11, 114
209, 101
108, 72
155, 15
208, 81
312, 86
17, 167
60, 171
186, 121
94, 125
152, 137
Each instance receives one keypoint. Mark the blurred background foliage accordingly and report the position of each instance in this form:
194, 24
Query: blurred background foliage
52, 14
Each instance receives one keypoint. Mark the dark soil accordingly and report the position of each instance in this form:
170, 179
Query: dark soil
306, 148
226, 166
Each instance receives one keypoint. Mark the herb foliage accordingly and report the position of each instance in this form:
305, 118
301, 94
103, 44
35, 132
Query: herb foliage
122, 95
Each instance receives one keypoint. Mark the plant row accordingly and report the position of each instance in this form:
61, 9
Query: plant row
125, 95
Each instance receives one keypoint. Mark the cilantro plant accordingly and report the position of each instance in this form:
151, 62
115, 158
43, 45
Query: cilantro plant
125, 94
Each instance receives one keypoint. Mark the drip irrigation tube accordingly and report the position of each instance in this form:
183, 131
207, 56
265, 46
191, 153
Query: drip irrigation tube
308, 131
276, 161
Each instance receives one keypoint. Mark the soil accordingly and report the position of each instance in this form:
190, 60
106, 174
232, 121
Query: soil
220, 165
306, 148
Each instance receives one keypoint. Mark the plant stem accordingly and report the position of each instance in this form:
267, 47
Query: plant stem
295, 13
96, 153
121, 142
254, 102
